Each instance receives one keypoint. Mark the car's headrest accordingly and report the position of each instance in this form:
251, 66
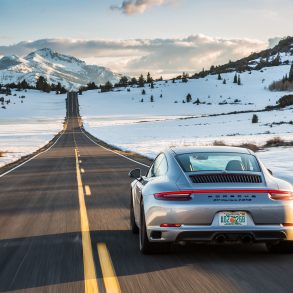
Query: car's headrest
234, 165
185, 163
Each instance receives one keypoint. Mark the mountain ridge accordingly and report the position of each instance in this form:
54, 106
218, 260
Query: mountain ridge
70, 71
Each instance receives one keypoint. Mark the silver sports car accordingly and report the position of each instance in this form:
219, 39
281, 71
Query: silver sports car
210, 194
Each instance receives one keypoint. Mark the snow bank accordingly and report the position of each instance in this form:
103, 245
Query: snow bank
30, 123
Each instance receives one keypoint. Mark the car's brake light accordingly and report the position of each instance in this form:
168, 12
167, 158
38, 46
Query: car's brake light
281, 195
173, 195
170, 225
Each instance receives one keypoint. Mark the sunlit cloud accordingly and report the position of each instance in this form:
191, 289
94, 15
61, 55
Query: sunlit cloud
159, 56
137, 6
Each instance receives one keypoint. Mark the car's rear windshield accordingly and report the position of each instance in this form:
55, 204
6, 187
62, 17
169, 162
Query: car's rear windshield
208, 161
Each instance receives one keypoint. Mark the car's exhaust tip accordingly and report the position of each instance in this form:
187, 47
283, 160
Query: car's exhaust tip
247, 238
220, 238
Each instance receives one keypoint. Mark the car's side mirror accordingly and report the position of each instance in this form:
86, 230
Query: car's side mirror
135, 174
270, 171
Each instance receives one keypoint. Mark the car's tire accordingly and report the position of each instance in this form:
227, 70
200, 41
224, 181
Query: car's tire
281, 247
133, 227
145, 246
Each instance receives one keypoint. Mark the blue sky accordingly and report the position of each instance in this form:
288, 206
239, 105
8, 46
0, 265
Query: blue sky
253, 20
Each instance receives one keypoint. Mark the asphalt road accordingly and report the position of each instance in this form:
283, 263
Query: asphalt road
64, 227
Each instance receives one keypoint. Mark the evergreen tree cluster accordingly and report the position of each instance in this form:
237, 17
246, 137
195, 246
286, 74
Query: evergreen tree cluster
237, 79
285, 84
107, 87
41, 84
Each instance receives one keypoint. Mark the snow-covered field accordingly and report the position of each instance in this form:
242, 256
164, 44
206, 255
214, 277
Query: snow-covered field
280, 161
28, 124
121, 119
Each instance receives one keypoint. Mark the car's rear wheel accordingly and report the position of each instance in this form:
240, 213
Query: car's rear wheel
133, 227
145, 246
281, 247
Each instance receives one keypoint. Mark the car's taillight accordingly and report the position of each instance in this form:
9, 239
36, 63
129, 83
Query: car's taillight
170, 225
173, 195
281, 195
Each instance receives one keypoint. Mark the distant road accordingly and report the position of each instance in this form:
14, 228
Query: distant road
64, 227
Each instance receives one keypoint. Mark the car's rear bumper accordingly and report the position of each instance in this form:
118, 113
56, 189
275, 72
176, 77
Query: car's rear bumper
258, 233
199, 218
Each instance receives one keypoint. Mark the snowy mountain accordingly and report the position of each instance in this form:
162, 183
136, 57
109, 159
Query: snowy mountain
69, 71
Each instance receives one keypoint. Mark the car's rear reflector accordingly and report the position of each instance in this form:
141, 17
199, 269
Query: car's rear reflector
170, 225
173, 195
281, 195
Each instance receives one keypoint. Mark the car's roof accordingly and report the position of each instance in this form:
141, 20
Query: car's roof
209, 149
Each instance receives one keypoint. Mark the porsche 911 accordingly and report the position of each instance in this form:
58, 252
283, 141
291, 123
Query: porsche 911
210, 195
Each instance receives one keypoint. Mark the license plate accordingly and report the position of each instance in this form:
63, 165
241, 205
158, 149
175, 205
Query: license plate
233, 219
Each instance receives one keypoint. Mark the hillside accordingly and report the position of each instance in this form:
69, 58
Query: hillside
162, 117
282, 53
69, 71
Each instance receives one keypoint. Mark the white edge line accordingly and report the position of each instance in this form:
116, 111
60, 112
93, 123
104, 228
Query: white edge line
16, 167
113, 151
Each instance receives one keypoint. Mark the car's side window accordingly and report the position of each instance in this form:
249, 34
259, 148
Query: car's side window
163, 167
159, 167
150, 171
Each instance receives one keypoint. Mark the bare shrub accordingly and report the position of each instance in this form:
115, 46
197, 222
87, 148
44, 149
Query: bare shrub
219, 143
250, 146
276, 141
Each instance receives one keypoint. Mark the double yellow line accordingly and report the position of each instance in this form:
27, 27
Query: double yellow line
90, 278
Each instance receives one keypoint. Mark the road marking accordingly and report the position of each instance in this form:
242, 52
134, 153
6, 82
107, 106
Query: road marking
109, 276
82, 170
87, 190
90, 279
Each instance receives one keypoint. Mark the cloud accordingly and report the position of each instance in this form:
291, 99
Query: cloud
159, 56
137, 6
274, 41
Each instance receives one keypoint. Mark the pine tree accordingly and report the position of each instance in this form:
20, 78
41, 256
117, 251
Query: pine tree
239, 80
149, 78
197, 101
188, 98
133, 81
184, 77
254, 118
24, 85
224, 81
219, 77
141, 81
107, 87
43, 85
235, 78
123, 81
152, 99
290, 78
143, 92
277, 60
